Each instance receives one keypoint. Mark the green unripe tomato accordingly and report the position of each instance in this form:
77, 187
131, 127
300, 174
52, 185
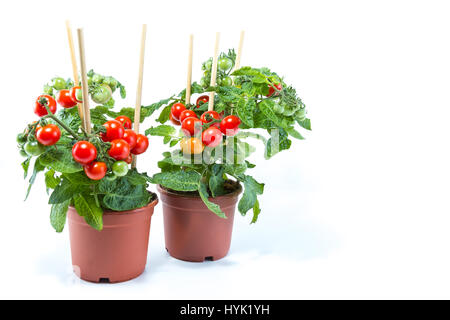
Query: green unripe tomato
120, 168
21, 139
111, 82
278, 108
204, 82
23, 153
102, 94
226, 82
58, 83
225, 64
97, 78
207, 65
33, 148
48, 90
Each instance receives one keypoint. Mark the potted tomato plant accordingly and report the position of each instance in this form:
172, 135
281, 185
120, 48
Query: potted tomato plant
89, 179
200, 181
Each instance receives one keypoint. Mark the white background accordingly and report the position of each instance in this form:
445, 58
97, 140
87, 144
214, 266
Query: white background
360, 209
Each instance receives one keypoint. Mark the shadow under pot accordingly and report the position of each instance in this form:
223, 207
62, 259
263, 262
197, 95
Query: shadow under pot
194, 233
118, 252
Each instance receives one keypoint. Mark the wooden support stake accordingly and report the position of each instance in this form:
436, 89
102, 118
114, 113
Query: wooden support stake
214, 72
84, 83
137, 110
237, 63
189, 70
74, 68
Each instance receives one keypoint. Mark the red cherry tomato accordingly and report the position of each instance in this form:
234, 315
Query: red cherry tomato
141, 144
201, 100
125, 121
212, 137
84, 152
272, 90
191, 126
65, 99
95, 170
74, 91
120, 149
175, 122
131, 137
176, 110
114, 130
39, 108
129, 159
187, 114
230, 125
48, 135
208, 116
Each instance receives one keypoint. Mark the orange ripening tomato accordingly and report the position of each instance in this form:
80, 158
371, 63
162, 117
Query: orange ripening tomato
191, 146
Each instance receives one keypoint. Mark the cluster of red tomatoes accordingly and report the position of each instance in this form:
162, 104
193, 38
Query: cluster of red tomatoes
124, 142
67, 98
191, 126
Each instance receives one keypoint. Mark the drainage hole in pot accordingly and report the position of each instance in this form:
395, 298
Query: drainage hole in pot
209, 259
103, 280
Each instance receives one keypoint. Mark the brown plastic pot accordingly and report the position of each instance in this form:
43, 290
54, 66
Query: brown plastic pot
194, 233
115, 254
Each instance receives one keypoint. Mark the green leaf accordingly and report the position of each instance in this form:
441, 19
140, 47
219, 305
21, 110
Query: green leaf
203, 191
245, 111
79, 178
58, 215
123, 92
216, 180
280, 143
149, 110
38, 167
305, 123
164, 115
161, 130
50, 180
174, 142
87, 207
256, 212
252, 189
267, 108
294, 133
64, 191
25, 166
121, 195
136, 178
178, 180
60, 160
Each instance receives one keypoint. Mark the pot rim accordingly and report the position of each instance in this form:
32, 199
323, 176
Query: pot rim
127, 212
233, 194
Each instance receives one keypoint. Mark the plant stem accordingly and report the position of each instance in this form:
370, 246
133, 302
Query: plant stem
52, 116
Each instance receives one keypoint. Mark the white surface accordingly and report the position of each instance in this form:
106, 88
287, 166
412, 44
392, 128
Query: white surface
358, 210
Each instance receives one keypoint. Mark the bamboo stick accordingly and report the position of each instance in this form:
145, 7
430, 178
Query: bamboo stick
84, 83
237, 63
74, 68
137, 110
214, 72
189, 70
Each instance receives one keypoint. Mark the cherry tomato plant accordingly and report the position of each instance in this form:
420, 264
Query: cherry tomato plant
88, 171
214, 145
